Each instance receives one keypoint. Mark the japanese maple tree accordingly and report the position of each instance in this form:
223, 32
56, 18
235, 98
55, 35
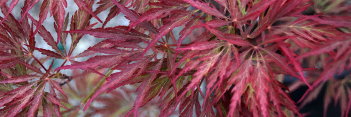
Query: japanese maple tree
175, 57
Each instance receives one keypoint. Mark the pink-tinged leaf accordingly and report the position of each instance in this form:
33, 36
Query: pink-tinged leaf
7, 99
145, 87
303, 35
294, 7
190, 54
2, 2
114, 50
11, 95
218, 77
291, 56
55, 101
118, 78
281, 62
204, 69
335, 20
257, 9
236, 98
82, 4
316, 36
20, 90
56, 86
171, 2
49, 53
200, 46
8, 64
233, 39
109, 33
187, 68
58, 9
6, 58
311, 95
31, 67
31, 43
25, 78
46, 35
5, 74
133, 17
262, 99
217, 23
29, 4
109, 47
57, 111
43, 14
47, 110
233, 9
21, 106
107, 60
205, 8
276, 39
155, 13
325, 48
303, 43
114, 11
10, 8
188, 29
343, 49
103, 5
166, 29
239, 42
36, 102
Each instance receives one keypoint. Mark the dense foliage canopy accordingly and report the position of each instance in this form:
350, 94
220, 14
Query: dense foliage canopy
175, 57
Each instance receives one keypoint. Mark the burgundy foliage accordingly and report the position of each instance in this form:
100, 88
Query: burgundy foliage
176, 57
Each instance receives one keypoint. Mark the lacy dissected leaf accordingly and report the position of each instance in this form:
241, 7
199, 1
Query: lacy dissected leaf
329, 47
29, 96
205, 8
199, 46
7, 9
339, 53
176, 57
117, 33
87, 6
307, 31
279, 60
114, 11
257, 90
181, 19
113, 47
155, 13
293, 59
115, 80
49, 53
233, 39
145, 89
103, 6
256, 9
55, 7
79, 21
49, 39
18, 79
133, 17
103, 61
